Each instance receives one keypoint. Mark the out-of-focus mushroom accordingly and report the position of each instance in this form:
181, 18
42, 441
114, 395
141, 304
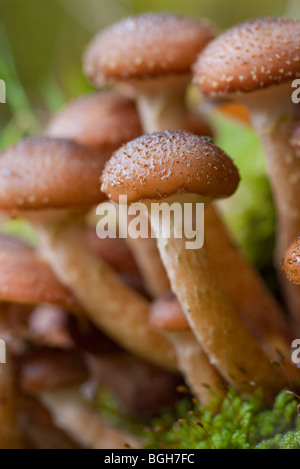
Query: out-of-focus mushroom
153, 54
167, 316
105, 121
98, 120
141, 389
43, 369
37, 428
291, 262
183, 168
256, 63
25, 278
48, 326
83, 424
52, 182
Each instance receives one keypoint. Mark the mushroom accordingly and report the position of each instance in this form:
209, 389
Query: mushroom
37, 428
141, 389
167, 316
291, 262
53, 182
45, 369
26, 279
83, 424
105, 121
143, 55
256, 63
151, 55
183, 168
99, 120
162, 107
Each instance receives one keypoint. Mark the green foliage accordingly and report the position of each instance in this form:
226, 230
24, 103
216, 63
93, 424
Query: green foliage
250, 212
240, 424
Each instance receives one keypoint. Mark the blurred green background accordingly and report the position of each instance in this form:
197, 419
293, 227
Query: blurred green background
41, 45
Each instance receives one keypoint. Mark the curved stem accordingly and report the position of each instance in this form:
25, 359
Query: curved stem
118, 310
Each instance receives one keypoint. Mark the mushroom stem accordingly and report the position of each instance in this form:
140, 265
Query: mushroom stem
199, 374
9, 437
273, 114
115, 308
229, 345
71, 414
250, 297
147, 257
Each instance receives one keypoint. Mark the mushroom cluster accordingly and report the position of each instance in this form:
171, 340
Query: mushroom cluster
142, 316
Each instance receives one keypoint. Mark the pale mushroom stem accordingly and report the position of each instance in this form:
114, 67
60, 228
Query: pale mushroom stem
229, 345
9, 437
273, 114
162, 112
148, 260
114, 307
73, 416
205, 383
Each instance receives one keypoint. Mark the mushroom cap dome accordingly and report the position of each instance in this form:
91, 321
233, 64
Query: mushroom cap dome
250, 56
165, 163
148, 45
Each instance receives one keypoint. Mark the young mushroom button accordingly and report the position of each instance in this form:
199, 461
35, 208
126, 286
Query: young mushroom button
181, 167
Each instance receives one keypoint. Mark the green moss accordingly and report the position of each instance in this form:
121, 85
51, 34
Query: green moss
240, 424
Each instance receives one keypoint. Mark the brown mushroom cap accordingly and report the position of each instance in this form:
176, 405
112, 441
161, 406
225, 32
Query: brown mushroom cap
25, 278
250, 56
291, 262
39, 173
98, 120
148, 45
44, 369
166, 314
164, 163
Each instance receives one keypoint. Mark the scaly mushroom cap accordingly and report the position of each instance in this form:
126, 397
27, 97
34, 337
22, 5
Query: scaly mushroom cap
250, 56
39, 173
97, 120
166, 314
291, 262
164, 163
25, 278
148, 45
